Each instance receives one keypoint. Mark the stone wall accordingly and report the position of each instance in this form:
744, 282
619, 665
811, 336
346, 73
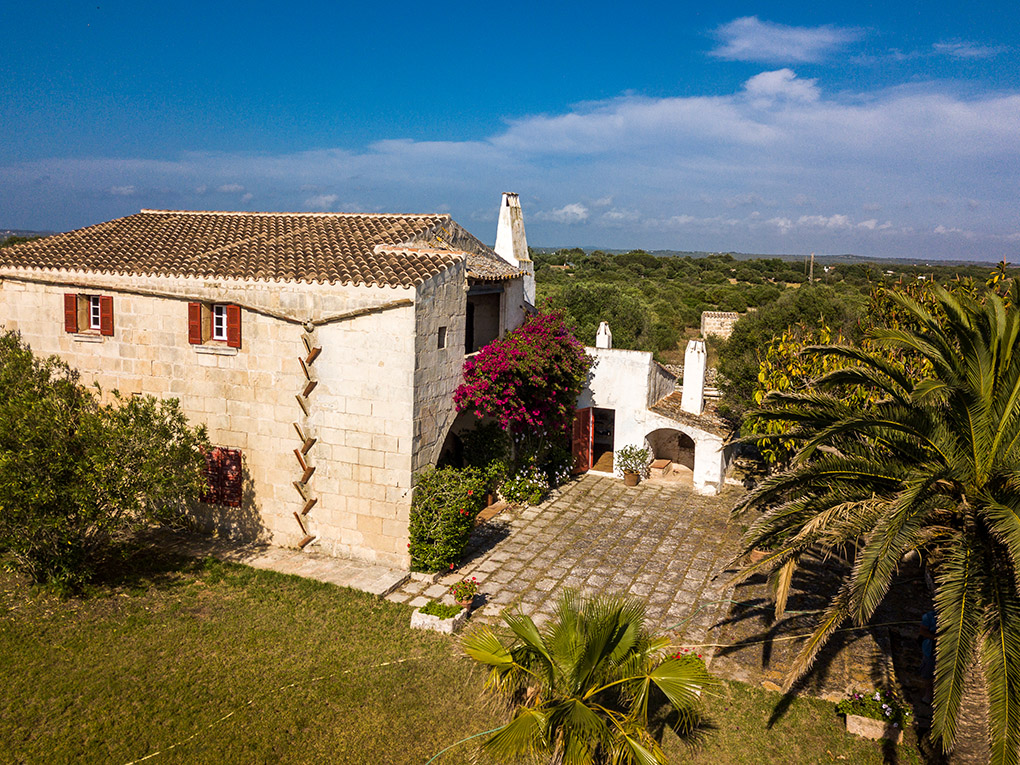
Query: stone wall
719, 323
360, 410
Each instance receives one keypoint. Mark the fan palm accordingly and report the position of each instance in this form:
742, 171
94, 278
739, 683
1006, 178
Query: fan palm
580, 687
928, 464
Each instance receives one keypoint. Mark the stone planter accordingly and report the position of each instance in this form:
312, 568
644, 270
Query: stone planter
868, 727
630, 478
420, 621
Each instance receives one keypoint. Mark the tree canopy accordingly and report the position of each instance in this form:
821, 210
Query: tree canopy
928, 463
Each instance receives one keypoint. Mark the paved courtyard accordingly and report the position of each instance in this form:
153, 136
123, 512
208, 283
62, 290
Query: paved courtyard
660, 543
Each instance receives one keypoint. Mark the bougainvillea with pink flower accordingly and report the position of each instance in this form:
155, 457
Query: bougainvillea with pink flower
527, 380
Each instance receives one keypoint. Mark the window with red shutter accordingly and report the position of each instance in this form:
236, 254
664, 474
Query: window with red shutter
70, 313
105, 315
195, 323
234, 326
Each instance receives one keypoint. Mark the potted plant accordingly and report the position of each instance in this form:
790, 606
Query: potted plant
464, 592
633, 462
439, 617
881, 714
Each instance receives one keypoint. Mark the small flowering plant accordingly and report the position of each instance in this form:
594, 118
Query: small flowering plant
880, 705
688, 656
465, 589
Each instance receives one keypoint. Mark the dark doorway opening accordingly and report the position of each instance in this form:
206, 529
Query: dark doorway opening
603, 439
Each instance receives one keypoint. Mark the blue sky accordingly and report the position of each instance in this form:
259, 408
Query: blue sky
884, 129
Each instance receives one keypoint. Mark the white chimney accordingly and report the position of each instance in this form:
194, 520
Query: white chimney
512, 244
604, 338
695, 363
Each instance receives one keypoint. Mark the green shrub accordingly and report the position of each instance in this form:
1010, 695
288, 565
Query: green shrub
445, 504
434, 608
526, 487
77, 474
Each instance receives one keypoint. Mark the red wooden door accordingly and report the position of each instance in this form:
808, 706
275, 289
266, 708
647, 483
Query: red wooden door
581, 446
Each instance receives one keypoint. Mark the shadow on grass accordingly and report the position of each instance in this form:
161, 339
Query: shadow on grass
141, 562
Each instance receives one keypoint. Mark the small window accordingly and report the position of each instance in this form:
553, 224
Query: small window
88, 314
95, 320
219, 322
442, 337
223, 476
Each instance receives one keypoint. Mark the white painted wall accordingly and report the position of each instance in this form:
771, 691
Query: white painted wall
625, 381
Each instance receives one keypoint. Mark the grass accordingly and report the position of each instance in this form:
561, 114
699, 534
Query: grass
203, 661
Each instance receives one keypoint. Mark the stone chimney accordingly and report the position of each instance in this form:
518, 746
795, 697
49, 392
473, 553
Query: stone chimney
604, 338
512, 244
695, 364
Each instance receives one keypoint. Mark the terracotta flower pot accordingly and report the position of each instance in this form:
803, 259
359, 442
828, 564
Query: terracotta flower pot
630, 478
466, 604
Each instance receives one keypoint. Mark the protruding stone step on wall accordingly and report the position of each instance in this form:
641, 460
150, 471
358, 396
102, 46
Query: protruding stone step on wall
304, 432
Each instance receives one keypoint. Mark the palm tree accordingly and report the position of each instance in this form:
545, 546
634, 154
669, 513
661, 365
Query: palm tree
929, 464
580, 687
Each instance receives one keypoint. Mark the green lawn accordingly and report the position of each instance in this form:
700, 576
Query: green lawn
158, 659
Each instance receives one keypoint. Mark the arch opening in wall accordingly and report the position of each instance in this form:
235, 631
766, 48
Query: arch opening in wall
675, 446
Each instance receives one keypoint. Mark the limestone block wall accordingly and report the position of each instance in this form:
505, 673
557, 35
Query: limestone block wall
361, 402
718, 323
362, 413
440, 305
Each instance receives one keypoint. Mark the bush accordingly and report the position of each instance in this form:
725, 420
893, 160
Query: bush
76, 474
880, 705
526, 487
445, 504
434, 608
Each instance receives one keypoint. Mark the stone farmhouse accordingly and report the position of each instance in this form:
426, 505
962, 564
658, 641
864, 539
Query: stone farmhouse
320, 350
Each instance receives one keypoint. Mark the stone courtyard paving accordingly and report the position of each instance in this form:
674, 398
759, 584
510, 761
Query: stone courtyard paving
660, 543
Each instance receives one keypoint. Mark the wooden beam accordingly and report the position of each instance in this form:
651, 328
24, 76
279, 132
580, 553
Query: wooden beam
302, 403
301, 459
307, 340
309, 472
304, 368
301, 523
308, 506
302, 490
313, 354
308, 444
300, 433
309, 387
306, 541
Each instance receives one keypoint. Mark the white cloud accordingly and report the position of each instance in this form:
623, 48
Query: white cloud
322, 202
569, 214
633, 162
123, 191
767, 87
750, 39
968, 50
247, 197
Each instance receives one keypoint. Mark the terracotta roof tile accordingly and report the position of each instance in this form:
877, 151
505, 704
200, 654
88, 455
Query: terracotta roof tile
381, 250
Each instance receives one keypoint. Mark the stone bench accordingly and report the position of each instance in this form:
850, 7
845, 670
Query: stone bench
660, 468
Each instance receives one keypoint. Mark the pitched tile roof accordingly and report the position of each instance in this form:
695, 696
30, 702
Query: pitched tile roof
381, 250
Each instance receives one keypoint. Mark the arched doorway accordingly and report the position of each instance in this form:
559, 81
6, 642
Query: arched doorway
675, 446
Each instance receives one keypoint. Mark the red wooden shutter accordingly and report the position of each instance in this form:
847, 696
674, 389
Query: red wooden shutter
232, 477
105, 315
581, 441
223, 476
234, 326
70, 313
195, 323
